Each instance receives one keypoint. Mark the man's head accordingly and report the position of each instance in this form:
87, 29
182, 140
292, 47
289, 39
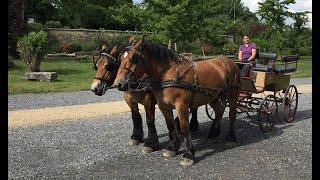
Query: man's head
246, 39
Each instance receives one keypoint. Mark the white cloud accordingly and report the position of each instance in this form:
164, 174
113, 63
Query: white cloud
252, 4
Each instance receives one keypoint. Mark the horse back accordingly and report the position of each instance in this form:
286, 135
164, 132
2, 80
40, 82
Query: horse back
214, 72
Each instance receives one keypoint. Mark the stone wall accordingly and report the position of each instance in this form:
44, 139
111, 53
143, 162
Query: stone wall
62, 35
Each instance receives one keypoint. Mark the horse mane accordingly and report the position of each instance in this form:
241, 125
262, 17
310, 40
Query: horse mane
121, 47
159, 52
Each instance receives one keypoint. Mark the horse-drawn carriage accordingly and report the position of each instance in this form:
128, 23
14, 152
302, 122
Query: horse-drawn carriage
274, 78
174, 82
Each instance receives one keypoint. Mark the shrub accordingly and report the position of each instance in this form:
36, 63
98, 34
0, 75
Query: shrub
100, 39
75, 46
32, 49
53, 46
305, 51
230, 48
88, 47
10, 62
36, 27
65, 48
53, 24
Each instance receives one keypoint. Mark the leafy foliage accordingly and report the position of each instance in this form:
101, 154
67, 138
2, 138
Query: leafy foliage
53, 24
36, 27
75, 46
32, 48
192, 25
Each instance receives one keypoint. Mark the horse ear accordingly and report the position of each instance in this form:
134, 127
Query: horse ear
131, 39
104, 47
138, 44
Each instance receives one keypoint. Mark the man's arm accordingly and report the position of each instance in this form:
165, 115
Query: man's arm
240, 55
253, 54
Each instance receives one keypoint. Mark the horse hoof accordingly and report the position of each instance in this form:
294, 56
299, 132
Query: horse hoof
169, 154
147, 150
186, 162
133, 142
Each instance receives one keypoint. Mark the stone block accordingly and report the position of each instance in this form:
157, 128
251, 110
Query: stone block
41, 76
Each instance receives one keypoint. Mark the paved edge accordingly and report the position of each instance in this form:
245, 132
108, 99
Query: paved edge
33, 117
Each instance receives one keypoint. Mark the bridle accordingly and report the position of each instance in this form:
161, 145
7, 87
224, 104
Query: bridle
109, 67
133, 60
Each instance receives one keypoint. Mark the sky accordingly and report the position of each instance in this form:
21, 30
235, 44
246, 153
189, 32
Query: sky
300, 5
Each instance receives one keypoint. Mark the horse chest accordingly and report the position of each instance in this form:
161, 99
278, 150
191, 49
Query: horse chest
137, 97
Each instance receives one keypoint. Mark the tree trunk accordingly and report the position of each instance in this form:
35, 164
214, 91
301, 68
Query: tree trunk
204, 55
34, 67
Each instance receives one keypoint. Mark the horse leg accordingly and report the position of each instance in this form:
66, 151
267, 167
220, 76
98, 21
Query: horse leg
174, 142
215, 127
177, 124
194, 124
183, 113
137, 134
231, 138
152, 143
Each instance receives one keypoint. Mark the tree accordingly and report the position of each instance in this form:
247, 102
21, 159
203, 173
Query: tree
32, 49
16, 25
89, 14
127, 17
93, 16
274, 13
43, 10
300, 20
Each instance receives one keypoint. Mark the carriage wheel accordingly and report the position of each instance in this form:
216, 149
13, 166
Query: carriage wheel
290, 103
209, 111
267, 114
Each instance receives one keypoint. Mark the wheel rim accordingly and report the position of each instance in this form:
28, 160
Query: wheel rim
209, 111
290, 103
268, 113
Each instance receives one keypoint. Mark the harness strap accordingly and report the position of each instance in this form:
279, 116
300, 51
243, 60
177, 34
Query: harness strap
109, 55
182, 84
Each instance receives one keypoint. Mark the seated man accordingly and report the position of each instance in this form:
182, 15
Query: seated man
247, 54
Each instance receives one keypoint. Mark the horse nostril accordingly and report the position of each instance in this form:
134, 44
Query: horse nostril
95, 90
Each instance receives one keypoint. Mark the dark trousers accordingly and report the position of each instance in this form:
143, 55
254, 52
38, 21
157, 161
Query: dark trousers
245, 69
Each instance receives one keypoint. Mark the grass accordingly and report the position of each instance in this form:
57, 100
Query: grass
72, 76
304, 67
75, 76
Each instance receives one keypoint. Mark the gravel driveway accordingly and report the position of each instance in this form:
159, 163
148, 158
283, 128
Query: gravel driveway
31, 101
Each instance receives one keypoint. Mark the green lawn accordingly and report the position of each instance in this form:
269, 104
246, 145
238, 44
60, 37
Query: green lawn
304, 67
75, 76
72, 76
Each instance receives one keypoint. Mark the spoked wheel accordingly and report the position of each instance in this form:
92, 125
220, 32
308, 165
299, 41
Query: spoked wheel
267, 115
290, 103
210, 111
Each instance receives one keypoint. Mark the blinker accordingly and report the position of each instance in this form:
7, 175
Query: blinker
134, 59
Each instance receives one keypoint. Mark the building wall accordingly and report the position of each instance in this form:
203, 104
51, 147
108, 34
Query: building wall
62, 35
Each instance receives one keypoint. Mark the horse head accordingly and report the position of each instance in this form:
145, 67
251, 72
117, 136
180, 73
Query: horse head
131, 66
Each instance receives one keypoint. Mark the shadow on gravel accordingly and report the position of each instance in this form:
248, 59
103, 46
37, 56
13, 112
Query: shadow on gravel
247, 132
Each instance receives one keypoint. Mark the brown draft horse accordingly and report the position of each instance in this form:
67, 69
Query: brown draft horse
106, 69
218, 80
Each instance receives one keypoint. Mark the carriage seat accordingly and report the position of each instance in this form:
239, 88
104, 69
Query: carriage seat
263, 68
279, 70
